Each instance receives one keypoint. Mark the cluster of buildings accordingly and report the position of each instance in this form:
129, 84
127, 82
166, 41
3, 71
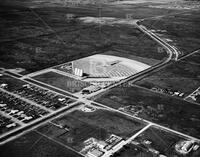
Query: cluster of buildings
185, 147
133, 110
98, 148
168, 91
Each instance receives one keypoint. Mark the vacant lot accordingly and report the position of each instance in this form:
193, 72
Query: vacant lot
162, 141
62, 82
13, 83
181, 76
34, 145
131, 150
182, 29
99, 124
43, 37
176, 114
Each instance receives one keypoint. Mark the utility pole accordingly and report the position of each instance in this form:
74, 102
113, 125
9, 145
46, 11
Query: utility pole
99, 16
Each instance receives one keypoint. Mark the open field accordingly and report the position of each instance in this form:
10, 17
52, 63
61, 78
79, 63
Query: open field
162, 141
132, 150
50, 88
182, 76
183, 30
13, 83
40, 52
167, 111
34, 145
193, 59
45, 37
19, 25
82, 126
38, 34
61, 81
139, 9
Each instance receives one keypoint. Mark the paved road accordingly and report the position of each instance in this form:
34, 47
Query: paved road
164, 94
60, 143
123, 143
27, 100
173, 55
11, 135
143, 120
185, 56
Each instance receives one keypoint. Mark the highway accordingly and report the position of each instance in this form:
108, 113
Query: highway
9, 136
27, 127
172, 56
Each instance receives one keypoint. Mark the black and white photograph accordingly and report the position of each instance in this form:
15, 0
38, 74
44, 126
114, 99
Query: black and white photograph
99, 78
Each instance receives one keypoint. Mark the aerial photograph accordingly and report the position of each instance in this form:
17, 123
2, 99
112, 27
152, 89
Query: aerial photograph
99, 78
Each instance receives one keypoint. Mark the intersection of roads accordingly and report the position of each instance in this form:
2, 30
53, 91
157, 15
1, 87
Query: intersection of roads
173, 56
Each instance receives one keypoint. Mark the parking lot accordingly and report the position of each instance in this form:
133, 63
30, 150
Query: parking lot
6, 124
43, 97
19, 109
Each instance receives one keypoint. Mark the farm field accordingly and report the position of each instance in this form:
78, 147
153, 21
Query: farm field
61, 81
82, 126
165, 110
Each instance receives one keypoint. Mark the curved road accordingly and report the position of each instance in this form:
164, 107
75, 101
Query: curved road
172, 52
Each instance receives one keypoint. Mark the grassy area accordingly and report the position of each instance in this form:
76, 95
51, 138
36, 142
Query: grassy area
45, 37
183, 29
62, 82
13, 83
34, 145
162, 141
50, 88
132, 150
99, 124
19, 25
181, 76
167, 111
